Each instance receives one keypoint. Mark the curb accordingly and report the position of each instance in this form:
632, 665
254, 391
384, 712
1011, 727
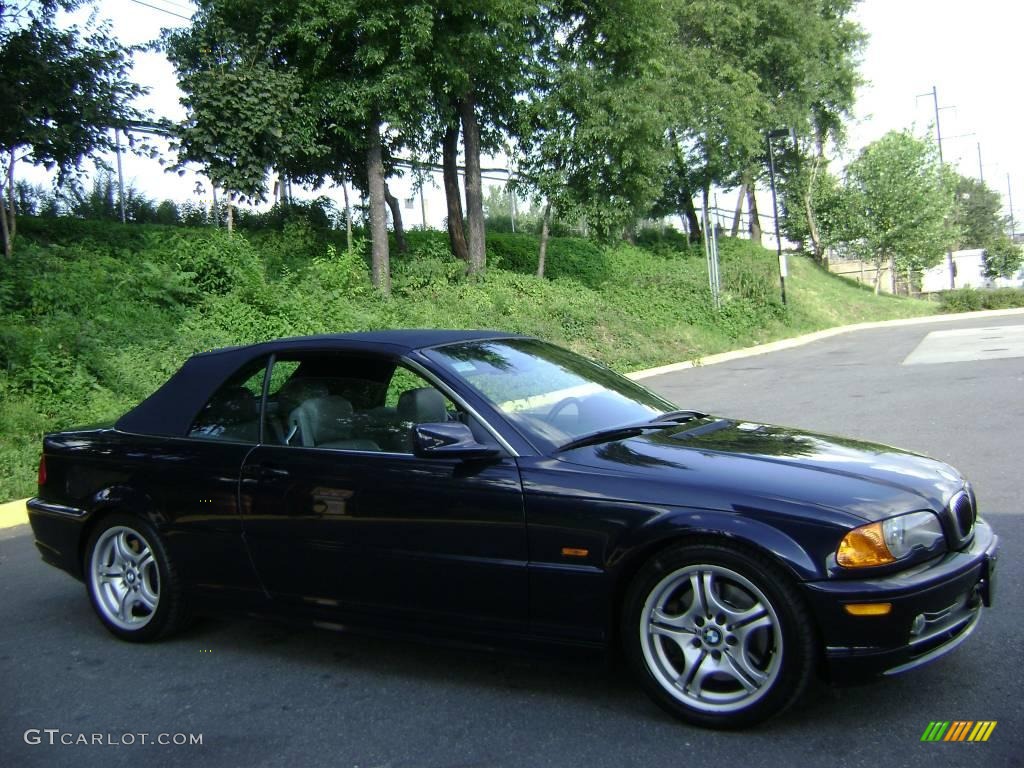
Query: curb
807, 338
13, 513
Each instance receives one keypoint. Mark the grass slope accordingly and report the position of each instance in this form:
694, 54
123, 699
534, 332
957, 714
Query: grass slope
95, 316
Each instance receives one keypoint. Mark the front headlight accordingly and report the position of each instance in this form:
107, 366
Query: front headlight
890, 540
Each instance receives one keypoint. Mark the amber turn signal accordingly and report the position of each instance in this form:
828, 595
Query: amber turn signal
574, 552
868, 609
863, 547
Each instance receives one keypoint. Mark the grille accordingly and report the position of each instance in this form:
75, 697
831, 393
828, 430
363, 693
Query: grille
962, 507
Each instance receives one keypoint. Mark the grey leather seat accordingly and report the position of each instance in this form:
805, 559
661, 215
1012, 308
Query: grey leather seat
232, 414
322, 420
422, 406
293, 394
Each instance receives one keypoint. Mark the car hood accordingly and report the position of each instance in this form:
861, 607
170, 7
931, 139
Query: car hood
731, 459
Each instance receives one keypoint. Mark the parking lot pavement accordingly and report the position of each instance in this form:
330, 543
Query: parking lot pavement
265, 695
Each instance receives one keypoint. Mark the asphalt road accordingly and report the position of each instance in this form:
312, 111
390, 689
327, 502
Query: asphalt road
264, 695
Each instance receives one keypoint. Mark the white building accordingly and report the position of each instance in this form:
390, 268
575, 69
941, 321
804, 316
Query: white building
968, 271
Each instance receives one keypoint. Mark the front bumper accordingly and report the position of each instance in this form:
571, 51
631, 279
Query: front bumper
948, 593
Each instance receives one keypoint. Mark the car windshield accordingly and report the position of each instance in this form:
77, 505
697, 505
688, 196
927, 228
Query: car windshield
553, 395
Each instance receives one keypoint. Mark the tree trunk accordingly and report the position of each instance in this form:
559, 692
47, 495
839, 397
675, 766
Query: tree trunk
692, 218
545, 228
474, 187
738, 215
348, 216
380, 258
755, 219
812, 221
878, 274
452, 194
8, 210
396, 219
892, 274
230, 215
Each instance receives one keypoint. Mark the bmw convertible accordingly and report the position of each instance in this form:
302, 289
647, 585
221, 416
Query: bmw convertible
495, 489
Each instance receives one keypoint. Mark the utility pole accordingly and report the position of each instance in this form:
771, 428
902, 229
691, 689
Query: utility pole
120, 174
769, 135
1009, 195
938, 135
981, 168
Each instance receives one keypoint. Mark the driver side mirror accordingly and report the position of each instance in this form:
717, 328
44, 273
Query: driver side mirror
451, 439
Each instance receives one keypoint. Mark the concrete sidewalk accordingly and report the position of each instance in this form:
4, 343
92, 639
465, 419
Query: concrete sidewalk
13, 513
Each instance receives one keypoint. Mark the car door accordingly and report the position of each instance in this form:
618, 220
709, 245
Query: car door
339, 513
196, 479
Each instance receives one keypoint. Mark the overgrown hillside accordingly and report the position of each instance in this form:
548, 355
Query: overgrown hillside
95, 316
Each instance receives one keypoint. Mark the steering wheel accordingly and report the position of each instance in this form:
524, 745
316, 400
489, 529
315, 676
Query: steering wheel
560, 406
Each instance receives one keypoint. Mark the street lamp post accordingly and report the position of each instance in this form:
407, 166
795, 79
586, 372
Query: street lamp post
769, 135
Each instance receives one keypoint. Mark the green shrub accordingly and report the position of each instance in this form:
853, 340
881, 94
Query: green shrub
973, 299
572, 257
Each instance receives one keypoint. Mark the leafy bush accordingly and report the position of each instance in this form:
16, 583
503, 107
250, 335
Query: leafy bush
573, 257
973, 299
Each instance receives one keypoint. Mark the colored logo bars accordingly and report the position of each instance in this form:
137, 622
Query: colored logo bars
958, 730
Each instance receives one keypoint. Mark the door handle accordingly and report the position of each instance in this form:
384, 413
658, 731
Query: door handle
271, 473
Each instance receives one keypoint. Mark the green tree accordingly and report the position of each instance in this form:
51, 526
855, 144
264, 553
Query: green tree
1003, 257
590, 128
242, 111
899, 204
63, 89
477, 60
981, 224
978, 214
330, 89
742, 67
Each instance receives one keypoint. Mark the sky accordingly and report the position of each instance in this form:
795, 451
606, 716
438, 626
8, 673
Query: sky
970, 52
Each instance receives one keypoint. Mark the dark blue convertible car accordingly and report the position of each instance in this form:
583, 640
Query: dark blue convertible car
498, 489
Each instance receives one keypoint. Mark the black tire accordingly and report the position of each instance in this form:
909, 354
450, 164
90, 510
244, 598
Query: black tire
131, 581
736, 653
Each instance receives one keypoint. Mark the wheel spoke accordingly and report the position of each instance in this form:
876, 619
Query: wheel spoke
122, 552
146, 598
682, 621
144, 559
738, 665
714, 604
692, 670
681, 637
699, 598
124, 609
744, 630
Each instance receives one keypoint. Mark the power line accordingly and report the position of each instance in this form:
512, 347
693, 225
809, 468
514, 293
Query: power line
162, 10
183, 6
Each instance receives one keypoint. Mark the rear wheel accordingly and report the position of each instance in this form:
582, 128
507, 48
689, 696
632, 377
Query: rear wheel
718, 637
132, 584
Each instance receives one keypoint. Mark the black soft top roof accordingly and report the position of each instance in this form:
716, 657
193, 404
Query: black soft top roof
171, 409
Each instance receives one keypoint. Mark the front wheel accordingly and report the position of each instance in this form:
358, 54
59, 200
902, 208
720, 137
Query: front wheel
718, 637
131, 581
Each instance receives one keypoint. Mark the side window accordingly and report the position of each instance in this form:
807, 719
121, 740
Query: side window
233, 413
412, 400
353, 402
402, 380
